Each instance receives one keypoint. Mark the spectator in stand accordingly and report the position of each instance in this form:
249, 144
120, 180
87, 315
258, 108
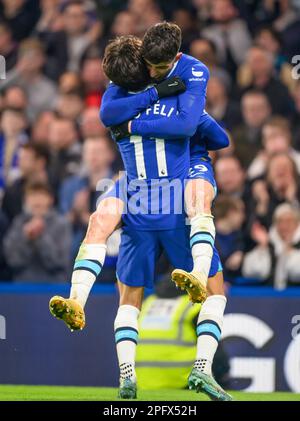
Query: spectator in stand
15, 97
260, 75
269, 39
229, 215
277, 138
232, 182
33, 161
50, 24
65, 149
37, 246
13, 135
230, 177
277, 251
205, 50
79, 194
68, 46
247, 136
8, 47
124, 24
220, 106
144, 12
69, 106
295, 120
5, 273
280, 185
185, 18
229, 33
70, 82
50, 18
90, 124
284, 16
41, 127
41, 91
21, 16
94, 81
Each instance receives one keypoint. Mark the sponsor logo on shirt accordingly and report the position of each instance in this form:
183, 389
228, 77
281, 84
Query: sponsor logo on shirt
196, 73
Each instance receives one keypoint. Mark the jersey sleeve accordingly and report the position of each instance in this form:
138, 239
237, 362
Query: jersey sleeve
191, 104
117, 106
215, 137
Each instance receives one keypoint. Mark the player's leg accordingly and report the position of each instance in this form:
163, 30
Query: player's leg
88, 263
91, 254
126, 337
199, 195
209, 328
135, 269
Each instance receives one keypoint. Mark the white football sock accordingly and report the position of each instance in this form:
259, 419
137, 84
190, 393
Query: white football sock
209, 328
202, 239
88, 265
126, 337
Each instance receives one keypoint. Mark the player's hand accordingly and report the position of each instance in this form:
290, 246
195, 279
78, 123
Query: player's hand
169, 87
120, 131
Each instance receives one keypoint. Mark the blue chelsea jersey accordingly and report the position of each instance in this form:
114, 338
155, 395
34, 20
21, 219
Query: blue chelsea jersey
152, 165
158, 148
148, 158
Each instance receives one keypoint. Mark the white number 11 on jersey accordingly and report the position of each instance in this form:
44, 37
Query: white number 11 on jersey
140, 160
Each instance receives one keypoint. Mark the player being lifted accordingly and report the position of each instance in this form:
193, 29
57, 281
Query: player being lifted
160, 50
81, 283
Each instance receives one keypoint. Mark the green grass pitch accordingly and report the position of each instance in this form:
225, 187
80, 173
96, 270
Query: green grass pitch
61, 393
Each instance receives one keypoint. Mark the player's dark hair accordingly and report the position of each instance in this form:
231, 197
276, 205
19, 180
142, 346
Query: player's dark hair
161, 43
123, 63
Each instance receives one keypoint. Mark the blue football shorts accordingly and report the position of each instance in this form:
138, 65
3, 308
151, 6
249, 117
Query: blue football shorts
140, 250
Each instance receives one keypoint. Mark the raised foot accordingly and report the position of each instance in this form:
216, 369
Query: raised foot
201, 382
68, 310
191, 284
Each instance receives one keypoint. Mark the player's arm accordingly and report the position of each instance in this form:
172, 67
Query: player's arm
190, 107
215, 137
117, 106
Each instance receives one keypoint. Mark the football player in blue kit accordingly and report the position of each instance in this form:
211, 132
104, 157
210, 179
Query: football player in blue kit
160, 50
145, 235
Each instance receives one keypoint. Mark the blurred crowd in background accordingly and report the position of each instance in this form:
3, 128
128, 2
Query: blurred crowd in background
54, 149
